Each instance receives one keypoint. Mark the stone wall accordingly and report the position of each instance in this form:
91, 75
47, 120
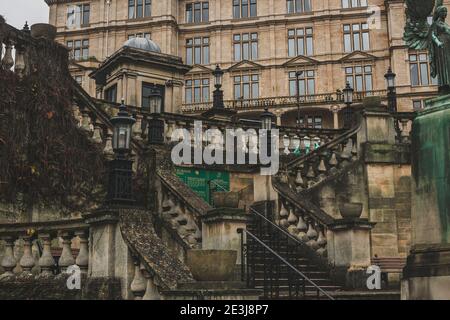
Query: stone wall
55, 288
389, 192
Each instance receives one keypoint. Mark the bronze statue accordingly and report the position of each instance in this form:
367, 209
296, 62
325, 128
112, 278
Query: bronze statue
434, 36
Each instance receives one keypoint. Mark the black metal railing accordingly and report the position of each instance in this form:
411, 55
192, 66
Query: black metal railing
274, 270
283, 242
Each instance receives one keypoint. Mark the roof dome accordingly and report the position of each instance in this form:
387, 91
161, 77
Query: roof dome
143, 44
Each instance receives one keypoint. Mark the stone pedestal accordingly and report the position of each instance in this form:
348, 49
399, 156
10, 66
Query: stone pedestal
109, 256
427, 273
219, 229
349, 251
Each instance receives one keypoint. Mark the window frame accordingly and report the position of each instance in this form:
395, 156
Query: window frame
139, 9
204, 89
203, 12
419, 64
249, 40
203, 46
364, 74
351, 4
297, 34
242, 9
298, 6
362, 34
82, 48
238, 81
306, 78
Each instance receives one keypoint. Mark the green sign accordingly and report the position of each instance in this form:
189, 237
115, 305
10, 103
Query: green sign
204, 182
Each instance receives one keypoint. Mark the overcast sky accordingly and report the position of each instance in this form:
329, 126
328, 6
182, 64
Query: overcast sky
17, 12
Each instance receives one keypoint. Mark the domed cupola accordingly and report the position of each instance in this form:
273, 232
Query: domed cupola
142, 44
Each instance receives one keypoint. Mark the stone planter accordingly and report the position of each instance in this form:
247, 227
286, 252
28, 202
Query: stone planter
351, 210
43, 30
226, 199
212, 265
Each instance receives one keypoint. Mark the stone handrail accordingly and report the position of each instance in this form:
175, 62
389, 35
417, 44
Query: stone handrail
281, 101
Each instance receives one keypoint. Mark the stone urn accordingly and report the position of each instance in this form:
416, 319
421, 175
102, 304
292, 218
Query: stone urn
43, 30
226, 199
351, 210
212, 265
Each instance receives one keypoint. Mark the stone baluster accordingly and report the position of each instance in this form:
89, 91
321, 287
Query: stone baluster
333, 162
97, 136
346, 153
9, 262
299, 180
292, 221
137, 128
8, 61
46, 261
286, 144
322, 169
322, 242
296, 143
108, 150
86, 120
138, 285
312, 236
151, 290
170, 129
27, 261
82, 259
302, 228
311, 175
405, 138
283, 216
66, 258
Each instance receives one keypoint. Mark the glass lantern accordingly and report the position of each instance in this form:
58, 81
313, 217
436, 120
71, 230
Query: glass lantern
123, 124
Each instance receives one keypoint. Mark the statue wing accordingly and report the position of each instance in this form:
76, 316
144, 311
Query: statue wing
417, 33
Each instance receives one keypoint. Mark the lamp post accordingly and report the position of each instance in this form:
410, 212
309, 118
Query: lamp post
348, 100
297, 78
156, 125
218, 93
392, 94
120, 168
267, 118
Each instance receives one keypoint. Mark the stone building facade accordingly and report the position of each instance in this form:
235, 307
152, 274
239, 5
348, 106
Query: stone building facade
255, 42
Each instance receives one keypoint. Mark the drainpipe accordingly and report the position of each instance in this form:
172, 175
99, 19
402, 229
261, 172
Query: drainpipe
108, 3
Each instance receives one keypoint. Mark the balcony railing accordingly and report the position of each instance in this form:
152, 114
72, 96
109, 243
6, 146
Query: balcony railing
282, 101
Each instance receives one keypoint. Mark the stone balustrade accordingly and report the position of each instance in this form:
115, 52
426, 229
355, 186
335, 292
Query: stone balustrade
71, 236
180, 218
303, 226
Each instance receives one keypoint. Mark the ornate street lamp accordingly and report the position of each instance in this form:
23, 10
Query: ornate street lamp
122, 123
218, 93
392, 94
120, 168
348, 100
156, 125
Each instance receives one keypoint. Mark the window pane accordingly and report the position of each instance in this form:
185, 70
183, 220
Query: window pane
368, 79
198, 55
139, 9
189, 56
307, 5
255, 90
291, 48
292, 88
253, 10
246, 90
189, 13
148, 8
302, 87
197, 12
424, 74
309, 46
254, 50
359, 83
237, 52
188, 95
131, 9
237, 91
245, 51
366, 42
205, 12
300, 46
290, 6
347, 43
356, 42
206, 55
414, 72
311, 87
197, 96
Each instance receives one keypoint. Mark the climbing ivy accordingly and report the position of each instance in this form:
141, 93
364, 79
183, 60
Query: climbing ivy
45, 158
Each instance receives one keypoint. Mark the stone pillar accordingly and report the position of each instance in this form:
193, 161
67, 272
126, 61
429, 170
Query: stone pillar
109, 256
349, 250
219, 229
427, 272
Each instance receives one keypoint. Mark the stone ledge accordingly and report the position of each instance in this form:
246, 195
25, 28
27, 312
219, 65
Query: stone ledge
387, 153
357, 224
428, 261
226, 214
